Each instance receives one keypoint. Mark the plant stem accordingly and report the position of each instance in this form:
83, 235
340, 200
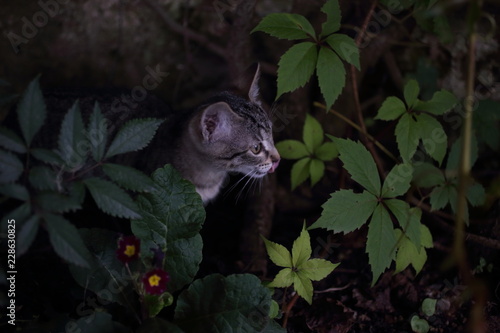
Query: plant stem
288, 309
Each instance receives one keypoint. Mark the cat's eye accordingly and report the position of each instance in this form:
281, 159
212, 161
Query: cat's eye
256, 148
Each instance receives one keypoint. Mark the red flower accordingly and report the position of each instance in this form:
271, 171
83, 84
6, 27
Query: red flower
128, 248
155, 281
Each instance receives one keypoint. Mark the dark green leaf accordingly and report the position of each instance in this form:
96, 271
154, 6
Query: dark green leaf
111, 199
486, 123
300, 171
455, 155
411, 91
397, 181
11, 141
31, 111
43, 178
333, 16
317, 170
381, 242
476, 194
346, 48
97, 322
26, 234
73, 144
15, 191
291, 149
442, 29
10, 167
433, 137
134, 135
440, 197
312, 133
359, 163
296, 67
331, 75
407, 136
47, 156
346, 211
441, 102
57, 203
286, 26
66, 241
224, 304
408, 218
409, 254
128, 178
427, 175
158, 325
392, 108
97, 133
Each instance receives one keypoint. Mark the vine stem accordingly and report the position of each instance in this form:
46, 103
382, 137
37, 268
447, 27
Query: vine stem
288, 309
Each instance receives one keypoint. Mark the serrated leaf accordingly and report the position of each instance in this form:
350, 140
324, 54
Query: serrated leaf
455, 155
303, 286
312, 133
72, 143
66, 241
441, 102
317, 269
346, 48
392, 108
300, 172
316, 170
11, 141
11, 167
427, 175
359, 163
292, 149
381, 242
397, 181
346, 211
408, 218
411, 91
453, 199
296, 67
407, 136
476, 194
408, 254
426, 237
286, 26
26, 234
43, 178
440, 197
134, 135
331, 75
47, 156
15, 191
111, 199
97, 133
433, 137
333, 16
327, 151
57, 203
31, 111
278, 254
301, 249
128, 178
283, 279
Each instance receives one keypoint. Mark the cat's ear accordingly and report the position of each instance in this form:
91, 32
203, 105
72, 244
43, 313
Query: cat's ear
253, 93
216, 121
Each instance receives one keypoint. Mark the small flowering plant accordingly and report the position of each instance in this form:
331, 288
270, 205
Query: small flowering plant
128, 248
155, 281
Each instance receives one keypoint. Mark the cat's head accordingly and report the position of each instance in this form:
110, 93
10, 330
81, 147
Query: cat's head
237, 134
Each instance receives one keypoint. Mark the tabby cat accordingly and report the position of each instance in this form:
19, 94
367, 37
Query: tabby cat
228, 134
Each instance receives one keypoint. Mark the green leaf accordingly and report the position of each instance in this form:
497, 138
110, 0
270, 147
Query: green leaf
312, 134
300, 172
346, 211
392, 108
408, 218
31, 111
331, 75
455, 155
47, 156
283, 279
72, 144
303, 286
359, 163
26, 234
66, 241
486, 118
296, 67
97, 133
440, 197
134, 135
158, 325
301, 249
43, 178
317, 170
11, 167
408, 254
333, 16
476, 194
419, 325
317, 269
397, 181
426, 237
57, 203
128, 178
433, 137
111, 199
278, 254
292, 149
15, 191
97, 322
429, 306
381, 242
411, 91
427, 175
407, 136
11, 141
286, 26
346, 48
327, 151
441, 102
224, 304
